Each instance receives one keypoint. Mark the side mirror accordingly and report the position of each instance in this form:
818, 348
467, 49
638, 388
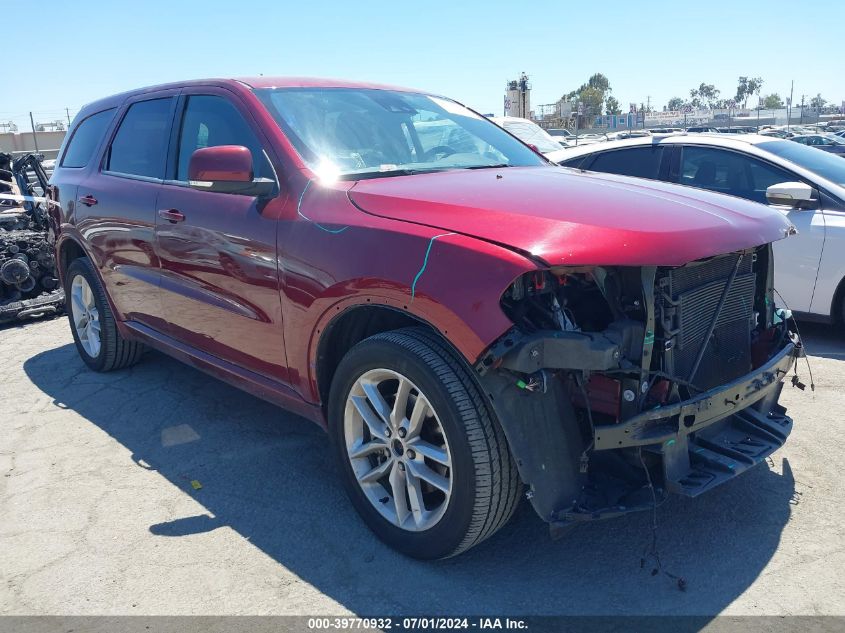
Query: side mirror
226, 169
797, 195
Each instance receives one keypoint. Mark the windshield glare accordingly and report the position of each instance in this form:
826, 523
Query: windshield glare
357, 132
825, 164
533, 134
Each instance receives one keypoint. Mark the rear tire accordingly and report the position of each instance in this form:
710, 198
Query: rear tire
455, 480
92, 322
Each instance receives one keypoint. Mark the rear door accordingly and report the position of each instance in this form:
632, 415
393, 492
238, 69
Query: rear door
738, 174
220, 284
116, 204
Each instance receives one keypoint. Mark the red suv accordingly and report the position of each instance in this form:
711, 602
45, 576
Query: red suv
469, 322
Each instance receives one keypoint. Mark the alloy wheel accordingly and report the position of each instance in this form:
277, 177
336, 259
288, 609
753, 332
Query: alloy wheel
85, 316
398, 450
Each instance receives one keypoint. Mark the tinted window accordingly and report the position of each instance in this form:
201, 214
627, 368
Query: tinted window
730, 172
140, 145
573, 162
209, 121
824, 164
86, 138
641, 162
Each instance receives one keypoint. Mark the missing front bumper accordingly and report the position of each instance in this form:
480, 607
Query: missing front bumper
701, 442
683, 418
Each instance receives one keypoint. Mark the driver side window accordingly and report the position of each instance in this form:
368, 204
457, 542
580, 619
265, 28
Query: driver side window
731, 173
209, 121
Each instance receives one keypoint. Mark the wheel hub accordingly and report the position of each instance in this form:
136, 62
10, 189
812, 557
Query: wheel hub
398, 449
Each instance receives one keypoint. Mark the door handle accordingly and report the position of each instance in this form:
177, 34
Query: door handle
88, 201
171, 215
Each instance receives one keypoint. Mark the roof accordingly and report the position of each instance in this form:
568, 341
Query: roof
249, 82
315, 82
720, 140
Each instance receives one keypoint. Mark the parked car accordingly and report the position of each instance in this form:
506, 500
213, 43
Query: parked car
628, 134
779, 133
811, 266
702, 128
532, 134
732, 130
562, 135
465, 319
825, 142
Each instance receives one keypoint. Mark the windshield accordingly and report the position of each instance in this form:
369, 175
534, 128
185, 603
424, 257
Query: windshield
358, 132
826, 165
533, 134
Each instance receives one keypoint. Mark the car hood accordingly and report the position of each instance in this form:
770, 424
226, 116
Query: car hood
562, 216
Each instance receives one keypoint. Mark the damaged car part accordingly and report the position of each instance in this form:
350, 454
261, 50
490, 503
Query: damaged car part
677, 369
29, 285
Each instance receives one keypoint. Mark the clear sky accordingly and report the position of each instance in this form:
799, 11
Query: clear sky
464, 49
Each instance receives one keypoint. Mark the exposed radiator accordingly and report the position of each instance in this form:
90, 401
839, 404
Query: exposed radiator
689, 298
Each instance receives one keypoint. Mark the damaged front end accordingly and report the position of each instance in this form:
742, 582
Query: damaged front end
619, 385
29, 286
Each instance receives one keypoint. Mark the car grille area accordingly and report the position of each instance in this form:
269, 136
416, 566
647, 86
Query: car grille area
688, 300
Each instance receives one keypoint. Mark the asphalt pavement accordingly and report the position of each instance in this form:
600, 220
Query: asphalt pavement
160, 490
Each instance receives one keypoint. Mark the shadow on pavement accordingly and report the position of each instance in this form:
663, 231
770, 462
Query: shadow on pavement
824, 340
268, 475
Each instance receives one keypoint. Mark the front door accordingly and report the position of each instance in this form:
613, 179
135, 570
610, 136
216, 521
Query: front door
220, 283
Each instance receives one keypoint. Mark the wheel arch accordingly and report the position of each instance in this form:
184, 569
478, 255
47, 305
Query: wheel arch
352, 325
67, 250
837, 305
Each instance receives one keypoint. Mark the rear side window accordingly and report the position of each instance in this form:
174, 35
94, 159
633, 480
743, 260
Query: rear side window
640, 162
86, 138
139, 147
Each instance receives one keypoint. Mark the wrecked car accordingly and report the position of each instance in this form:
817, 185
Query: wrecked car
471, 324
29, 286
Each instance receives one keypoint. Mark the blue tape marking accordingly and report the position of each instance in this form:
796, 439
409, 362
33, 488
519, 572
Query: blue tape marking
425, 263
317, 224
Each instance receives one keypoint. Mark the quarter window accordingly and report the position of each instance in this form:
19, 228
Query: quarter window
86, 138
210, 121
140, 146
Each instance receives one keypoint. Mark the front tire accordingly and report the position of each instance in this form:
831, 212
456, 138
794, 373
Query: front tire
423, 460
92, 322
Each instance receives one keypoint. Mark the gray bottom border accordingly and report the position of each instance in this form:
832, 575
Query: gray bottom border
556, 624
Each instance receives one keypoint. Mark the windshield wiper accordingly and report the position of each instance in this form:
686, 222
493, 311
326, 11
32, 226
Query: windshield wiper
498, 166
389, 172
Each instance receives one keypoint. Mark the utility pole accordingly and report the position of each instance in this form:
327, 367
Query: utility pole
34, 137
802, 109
67, 111
789, 104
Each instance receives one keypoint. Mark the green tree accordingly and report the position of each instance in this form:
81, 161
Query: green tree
705, 93
612, 105
772, 101
817, 103
747, 87
675, 103
591, 95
